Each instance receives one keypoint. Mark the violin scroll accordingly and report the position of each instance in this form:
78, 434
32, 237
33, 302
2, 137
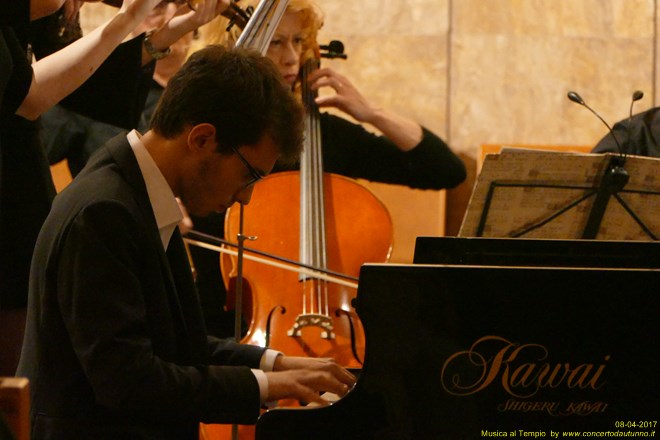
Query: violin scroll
234, 13
237, 16
118, 3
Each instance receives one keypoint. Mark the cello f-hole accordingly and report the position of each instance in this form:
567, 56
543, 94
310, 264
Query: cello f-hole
282, 310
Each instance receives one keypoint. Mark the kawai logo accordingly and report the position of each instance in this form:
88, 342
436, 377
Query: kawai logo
522, 369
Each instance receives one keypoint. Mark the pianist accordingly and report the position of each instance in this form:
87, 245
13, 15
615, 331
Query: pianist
115, 344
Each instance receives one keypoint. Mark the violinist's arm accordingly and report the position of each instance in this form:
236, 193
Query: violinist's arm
403, 132
184, 22
59, 74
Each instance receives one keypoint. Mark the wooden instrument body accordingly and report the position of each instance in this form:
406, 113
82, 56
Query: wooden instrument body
358, 230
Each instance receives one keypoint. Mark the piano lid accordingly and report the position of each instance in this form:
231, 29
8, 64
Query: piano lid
537, 252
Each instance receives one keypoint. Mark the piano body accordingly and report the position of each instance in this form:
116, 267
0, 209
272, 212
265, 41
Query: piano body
476, 348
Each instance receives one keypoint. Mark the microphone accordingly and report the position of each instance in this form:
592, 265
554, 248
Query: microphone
573, 96
614, 179
616, 176
637, 95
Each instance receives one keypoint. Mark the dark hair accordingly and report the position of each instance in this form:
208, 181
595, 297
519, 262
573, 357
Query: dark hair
240, 93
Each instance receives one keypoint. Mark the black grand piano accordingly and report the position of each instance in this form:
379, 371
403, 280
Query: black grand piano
483, 339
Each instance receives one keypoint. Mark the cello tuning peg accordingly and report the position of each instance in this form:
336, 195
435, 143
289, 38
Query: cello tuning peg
335, 49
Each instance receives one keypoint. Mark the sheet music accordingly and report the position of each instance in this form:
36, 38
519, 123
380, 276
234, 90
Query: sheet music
564, 179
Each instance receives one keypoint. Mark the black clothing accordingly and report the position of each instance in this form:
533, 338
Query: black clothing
116, 92
641, 140
70, 135
26, 188
22, 209
27, 194
16, 71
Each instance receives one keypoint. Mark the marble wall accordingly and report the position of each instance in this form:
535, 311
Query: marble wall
492, 71
514, 60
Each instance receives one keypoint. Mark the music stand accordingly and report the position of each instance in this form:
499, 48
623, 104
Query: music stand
540, 194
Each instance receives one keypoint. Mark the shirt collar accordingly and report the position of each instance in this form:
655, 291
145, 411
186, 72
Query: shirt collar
163, 203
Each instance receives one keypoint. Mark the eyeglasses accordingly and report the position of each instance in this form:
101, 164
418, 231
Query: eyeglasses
256, 175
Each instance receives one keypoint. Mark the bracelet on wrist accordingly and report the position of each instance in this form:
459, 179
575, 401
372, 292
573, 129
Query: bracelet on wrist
151, 49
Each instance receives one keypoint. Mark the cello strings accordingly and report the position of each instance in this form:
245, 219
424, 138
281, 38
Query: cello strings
318, 243
305, 194
323, 256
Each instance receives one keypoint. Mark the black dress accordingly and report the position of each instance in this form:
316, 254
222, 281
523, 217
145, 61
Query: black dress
26, 188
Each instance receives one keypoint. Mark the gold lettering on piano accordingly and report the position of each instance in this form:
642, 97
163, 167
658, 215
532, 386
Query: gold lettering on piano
551, 408
554, 408
522, 369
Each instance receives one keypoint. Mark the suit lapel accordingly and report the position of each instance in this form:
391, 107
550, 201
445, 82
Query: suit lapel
175, 267
187, 297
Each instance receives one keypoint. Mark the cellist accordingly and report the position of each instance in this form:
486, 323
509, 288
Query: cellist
405, 154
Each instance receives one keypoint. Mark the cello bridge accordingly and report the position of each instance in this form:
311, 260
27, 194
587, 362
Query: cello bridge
313, 320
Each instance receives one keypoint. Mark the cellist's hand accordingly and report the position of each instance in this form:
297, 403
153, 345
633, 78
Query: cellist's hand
305, 378
402, 131
346, 97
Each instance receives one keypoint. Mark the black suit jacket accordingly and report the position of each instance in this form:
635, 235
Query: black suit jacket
115, 344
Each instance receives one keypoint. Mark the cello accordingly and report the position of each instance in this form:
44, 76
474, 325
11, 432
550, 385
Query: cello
323, 220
